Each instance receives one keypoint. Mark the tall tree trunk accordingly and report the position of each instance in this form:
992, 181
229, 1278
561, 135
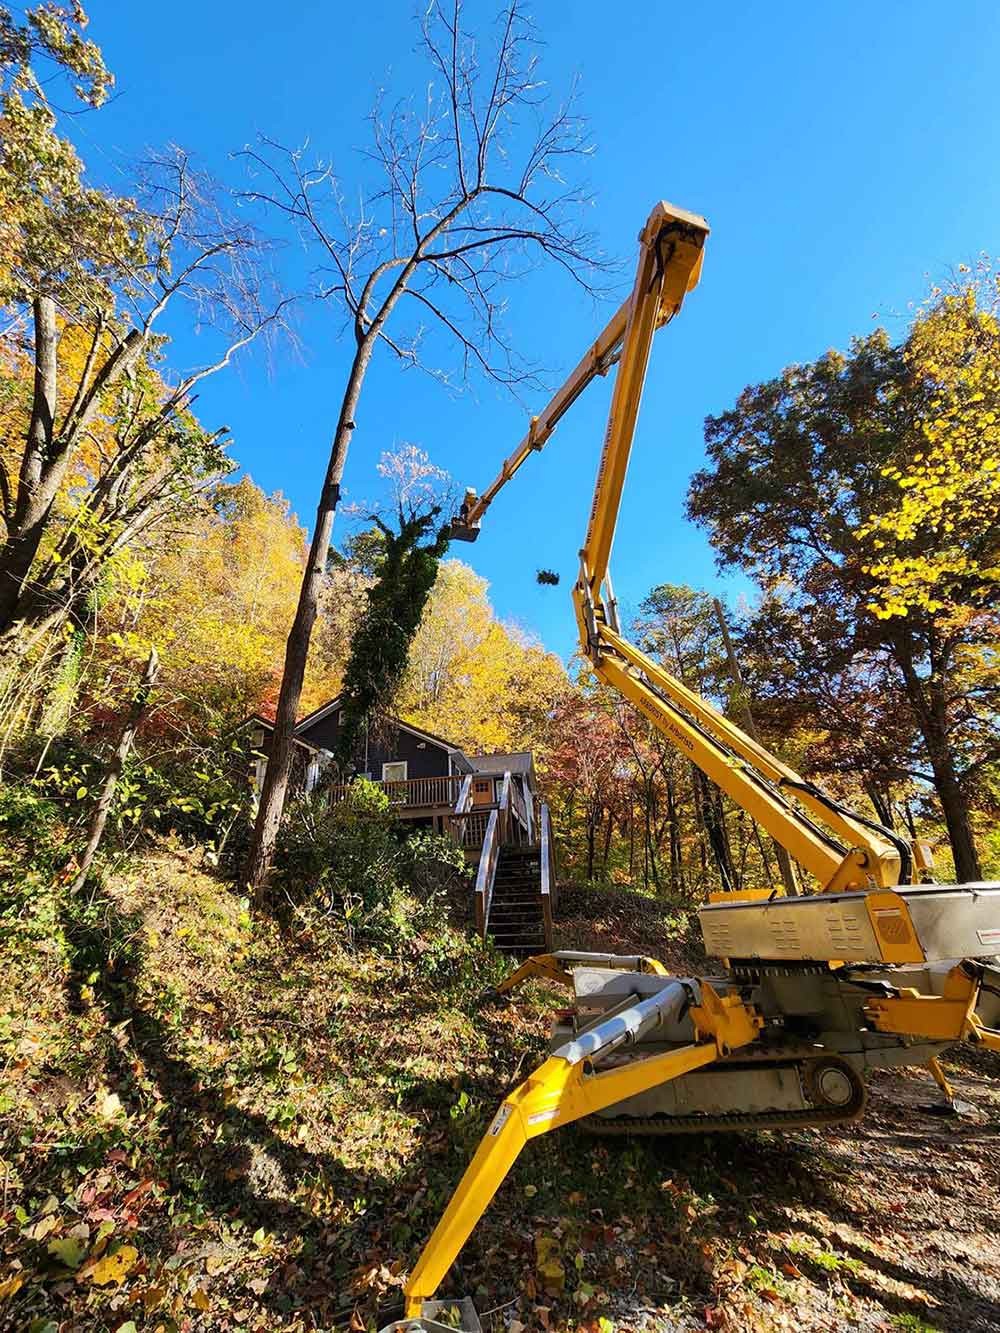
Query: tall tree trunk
930, 706
279, 762
881, 803
699, 821
673, 822
652, 865
607, 845
750, 727
34, 497
765, 859
103, 807
715, 830
910, 823
954, 803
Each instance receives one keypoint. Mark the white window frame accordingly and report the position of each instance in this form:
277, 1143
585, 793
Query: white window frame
396, 763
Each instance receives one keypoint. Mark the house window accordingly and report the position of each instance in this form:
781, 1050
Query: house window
394, 772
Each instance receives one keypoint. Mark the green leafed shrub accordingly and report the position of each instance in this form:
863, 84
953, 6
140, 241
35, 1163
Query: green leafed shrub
199, 793
32, 852
354, 861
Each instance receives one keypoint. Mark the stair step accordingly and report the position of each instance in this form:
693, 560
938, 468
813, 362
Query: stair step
516, 922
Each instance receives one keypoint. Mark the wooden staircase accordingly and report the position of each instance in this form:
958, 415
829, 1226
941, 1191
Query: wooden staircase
516, 922
515, 892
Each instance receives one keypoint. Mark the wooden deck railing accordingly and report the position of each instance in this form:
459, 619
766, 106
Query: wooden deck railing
547, 858
519, 826
469, 829
414, 793
487, 872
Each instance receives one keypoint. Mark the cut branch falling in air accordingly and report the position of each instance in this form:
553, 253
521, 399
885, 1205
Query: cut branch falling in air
467, 201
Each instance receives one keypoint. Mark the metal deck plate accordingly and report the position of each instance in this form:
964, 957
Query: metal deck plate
951, 921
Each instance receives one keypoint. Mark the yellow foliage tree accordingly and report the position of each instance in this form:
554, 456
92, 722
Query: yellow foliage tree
483, 684
940, 536
218, 603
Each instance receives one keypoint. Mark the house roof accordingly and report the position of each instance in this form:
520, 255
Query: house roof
317, 714
268, 722
521, 761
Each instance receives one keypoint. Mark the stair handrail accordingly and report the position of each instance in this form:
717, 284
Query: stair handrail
462, 805
464, 795
547, 880
504, 807
519, 810
487, 873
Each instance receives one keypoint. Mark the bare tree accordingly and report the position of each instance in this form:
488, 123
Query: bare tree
471, 193
177, 245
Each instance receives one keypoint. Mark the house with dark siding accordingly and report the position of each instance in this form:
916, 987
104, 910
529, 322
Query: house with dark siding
488, 803
423, 774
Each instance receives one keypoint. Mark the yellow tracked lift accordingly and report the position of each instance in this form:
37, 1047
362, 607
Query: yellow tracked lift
873, 967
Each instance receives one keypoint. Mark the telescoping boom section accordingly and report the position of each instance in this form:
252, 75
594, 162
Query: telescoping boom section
840, 848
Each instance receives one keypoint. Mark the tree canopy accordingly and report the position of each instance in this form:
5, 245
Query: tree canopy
839, 486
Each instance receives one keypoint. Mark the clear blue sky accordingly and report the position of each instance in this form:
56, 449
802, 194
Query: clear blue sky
841, 153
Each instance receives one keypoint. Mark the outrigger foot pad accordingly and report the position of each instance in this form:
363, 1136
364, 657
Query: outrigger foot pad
440, 1317
956, 1109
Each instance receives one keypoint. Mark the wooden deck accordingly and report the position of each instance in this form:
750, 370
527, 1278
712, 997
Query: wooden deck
415, 795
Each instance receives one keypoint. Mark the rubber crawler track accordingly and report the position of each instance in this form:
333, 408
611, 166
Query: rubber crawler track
740, 1121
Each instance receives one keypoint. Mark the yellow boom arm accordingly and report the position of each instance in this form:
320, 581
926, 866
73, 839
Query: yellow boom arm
846, 851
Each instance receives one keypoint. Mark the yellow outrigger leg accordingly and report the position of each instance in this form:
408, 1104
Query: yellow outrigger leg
558, 967
949, 1017
566, 1088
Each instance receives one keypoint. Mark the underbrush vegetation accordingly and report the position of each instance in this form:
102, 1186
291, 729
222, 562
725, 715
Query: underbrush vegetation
198, 793
218, 1119
355, 863
205, 1112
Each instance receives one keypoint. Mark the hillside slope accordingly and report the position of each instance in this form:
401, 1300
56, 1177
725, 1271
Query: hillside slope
211, 1124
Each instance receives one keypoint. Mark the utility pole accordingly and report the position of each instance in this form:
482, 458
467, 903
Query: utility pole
750, 727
